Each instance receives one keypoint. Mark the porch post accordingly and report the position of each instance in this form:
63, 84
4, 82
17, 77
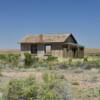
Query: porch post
78, 53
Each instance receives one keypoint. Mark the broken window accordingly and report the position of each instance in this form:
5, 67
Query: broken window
48, 49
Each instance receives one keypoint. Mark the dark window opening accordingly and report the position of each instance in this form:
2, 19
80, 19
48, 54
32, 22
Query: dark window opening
34, 49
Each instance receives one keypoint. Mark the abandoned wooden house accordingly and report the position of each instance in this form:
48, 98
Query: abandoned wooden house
59, 45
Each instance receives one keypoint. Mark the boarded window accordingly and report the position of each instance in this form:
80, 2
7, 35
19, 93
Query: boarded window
48, 49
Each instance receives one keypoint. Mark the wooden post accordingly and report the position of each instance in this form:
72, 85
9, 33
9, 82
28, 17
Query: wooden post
78, 52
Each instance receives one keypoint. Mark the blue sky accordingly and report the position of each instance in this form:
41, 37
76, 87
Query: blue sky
22, 17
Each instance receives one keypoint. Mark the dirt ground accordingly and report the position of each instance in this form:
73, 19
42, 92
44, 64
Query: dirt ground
85, 79
78, 80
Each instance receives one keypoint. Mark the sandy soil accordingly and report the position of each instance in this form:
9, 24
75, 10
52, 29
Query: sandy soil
87, 79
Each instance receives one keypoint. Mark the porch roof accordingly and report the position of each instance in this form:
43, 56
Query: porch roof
73, 44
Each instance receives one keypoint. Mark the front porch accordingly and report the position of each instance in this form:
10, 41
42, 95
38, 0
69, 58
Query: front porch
72, 50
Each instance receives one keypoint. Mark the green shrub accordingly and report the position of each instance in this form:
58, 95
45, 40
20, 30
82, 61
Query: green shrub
30, 59
52, 88
13, 59
21, 90
50, 95
85, 59
2, 56
15, 90
0, 71
70, 61
63, 66
52, 58
55, 88
48, 78
10, 60
44, 64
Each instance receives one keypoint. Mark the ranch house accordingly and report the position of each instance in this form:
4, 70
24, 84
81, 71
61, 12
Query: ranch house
59, 45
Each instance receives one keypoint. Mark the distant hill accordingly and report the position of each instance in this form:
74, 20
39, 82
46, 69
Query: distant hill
92, 51
6, 51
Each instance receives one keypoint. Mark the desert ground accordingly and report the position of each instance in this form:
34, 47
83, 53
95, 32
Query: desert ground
83, 84
81, 75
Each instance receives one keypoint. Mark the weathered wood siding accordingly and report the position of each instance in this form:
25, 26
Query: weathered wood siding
81, 52
40, 50
25, 47
57, 50
70, 40
73, 52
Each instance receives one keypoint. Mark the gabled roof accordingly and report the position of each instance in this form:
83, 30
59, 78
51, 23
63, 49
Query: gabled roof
45, 38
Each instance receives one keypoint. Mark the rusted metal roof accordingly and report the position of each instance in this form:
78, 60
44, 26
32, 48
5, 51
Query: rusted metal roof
45, 38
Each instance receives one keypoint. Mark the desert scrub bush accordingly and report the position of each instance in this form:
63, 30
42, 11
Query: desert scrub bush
63, 66
70, 60
90, 65
30, 59
0, 71
56, 84
52, 88
9, 57
21, 89
13, 59
50, 62
90, 93
2, 56
44, 64
85, 59
51, 58
9, 60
